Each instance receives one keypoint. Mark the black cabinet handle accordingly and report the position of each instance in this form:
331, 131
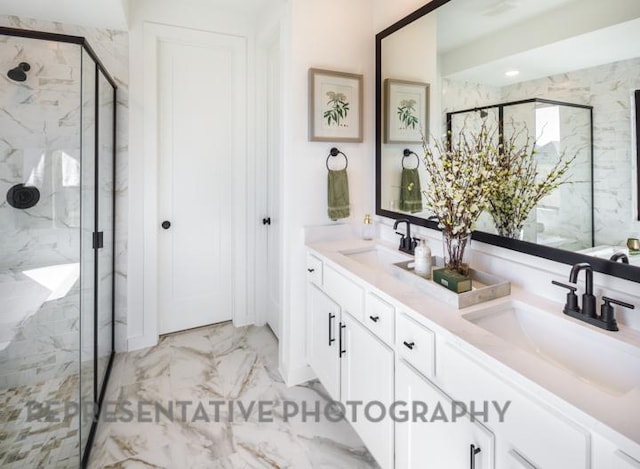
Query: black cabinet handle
409, 345
266, 221
473, 450
331, 318
342, 351
374, 318
166, 224
311, 270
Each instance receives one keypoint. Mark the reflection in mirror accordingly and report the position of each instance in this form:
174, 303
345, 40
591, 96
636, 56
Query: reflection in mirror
566, 70
564, 218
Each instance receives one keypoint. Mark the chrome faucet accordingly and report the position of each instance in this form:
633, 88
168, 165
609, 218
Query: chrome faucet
606, 319
407, 243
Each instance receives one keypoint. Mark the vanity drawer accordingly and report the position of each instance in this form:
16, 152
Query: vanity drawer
379, 318
416, 344
345, 292
543, 438
314, 270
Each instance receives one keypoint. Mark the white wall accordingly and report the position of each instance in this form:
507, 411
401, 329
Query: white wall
334, 35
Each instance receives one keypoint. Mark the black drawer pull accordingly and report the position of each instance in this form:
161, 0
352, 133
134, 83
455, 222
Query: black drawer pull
409, 345
374, 318
310, 270
331, 318
473, 450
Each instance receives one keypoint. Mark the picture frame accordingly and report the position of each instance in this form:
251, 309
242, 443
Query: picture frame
406, 116
335, 106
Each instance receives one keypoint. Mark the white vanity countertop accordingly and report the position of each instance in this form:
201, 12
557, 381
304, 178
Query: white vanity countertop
615, 417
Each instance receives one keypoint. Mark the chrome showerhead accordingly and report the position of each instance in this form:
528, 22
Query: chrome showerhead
20, 72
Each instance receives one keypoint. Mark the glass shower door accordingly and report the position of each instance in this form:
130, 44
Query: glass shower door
88, 266
106, 109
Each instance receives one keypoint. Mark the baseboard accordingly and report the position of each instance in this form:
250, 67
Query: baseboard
297, 376
140, 342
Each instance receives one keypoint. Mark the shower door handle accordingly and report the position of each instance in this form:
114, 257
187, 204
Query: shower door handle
98, 240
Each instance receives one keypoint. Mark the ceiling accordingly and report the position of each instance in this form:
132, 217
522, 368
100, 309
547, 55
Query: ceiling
96, 13
480, 40
112, 13
474, 19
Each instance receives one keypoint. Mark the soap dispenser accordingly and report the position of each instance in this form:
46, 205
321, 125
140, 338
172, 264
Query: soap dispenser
422, 258
367, 228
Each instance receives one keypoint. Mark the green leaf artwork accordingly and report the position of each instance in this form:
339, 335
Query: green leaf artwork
406, 114
338, 109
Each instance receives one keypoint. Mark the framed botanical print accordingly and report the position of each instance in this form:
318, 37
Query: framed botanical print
406, 111
335, 106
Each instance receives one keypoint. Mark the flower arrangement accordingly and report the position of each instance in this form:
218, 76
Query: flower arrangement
518, 186
460, 180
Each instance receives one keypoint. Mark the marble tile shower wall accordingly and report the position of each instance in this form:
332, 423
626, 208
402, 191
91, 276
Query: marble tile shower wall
113, 49
40, 146
609, 89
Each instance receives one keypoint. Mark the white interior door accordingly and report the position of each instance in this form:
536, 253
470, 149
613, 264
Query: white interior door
274, 263
201, 82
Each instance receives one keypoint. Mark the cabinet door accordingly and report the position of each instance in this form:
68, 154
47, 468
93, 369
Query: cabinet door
436, 444
322, 340
367, 386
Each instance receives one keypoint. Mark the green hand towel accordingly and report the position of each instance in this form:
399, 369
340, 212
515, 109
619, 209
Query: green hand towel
410, 191
338, 194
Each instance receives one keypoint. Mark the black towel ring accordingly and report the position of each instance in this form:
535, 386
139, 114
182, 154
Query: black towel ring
408, 153
335, 152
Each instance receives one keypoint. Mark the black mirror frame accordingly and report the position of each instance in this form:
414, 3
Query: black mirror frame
604, 266
637, 114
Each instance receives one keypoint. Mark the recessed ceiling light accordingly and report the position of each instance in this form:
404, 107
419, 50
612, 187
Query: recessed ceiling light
512, 73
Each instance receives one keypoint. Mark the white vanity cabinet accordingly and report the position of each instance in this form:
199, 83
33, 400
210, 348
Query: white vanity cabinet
368, 347
355, 366
529, 434
323, 316
367, 370
436, 443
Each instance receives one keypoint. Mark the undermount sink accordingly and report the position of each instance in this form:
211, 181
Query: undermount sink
602, 361
376, 256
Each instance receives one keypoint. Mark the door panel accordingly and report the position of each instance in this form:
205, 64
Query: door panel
322, 340
274, 266
199, 83
364, 353
437, 444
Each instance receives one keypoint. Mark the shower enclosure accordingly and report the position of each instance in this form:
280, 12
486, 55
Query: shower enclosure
57, 155
564, 218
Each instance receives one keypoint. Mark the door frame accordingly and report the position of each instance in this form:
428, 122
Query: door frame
240, 239
266, 42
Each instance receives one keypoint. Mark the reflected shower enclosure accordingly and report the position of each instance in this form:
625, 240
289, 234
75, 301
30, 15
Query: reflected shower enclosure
564, 218
57, 156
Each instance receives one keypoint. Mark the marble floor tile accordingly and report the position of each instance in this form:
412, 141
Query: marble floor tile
38, 443
224, 364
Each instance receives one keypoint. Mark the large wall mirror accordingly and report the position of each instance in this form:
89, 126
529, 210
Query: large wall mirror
566, 71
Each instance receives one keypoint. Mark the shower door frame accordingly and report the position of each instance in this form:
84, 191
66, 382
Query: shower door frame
98, 394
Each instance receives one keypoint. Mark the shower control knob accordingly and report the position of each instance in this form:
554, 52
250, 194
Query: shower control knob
166, 224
